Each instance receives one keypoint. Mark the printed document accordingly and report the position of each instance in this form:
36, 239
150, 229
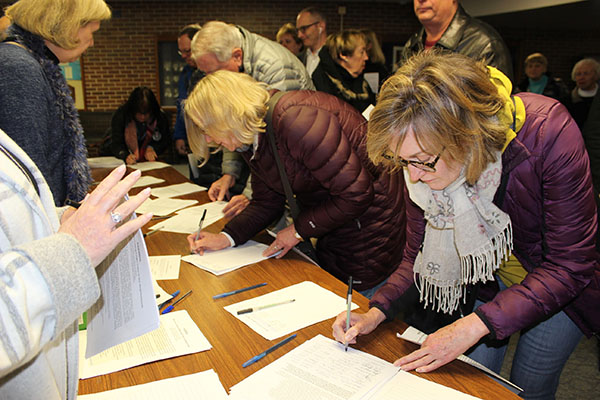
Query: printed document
321, 369
163, 205
177, 190
200, 386
147, 180
148, 165
165, 267
177, 335
105, 162
127, 305
186, 221
222, 261
312, 303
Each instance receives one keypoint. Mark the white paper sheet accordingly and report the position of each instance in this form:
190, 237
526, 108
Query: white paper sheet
410, 387
415, 336
222, 261
147, 180
165, 267
312, 304
177, 190
177, 335
200, 386
127, 306
367, 112
317, 369
105, 162
163, 205
372, 79
161, 294
186, 220
148, 165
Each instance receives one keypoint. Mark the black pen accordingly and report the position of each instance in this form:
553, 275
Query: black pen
200, 224
349, 301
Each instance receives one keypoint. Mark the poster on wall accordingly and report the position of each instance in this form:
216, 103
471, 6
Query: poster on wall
72, 73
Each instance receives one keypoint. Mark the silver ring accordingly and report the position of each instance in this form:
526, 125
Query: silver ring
276, 247
116, 217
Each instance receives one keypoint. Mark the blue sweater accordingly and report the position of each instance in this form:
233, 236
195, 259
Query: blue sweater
29, 115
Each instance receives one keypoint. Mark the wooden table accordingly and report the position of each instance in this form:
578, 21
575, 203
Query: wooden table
234, 343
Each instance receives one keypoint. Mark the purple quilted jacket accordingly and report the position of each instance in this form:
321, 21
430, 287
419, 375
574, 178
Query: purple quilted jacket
550, 201
356, 210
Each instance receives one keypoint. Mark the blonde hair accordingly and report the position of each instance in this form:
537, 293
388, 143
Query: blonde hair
222, 104
589, 61
218, 38
57, 21
289, 29
373, 47
344, 43
536, 58
449, 103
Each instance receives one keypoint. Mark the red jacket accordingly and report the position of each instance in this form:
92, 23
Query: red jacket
356, 210
550, 201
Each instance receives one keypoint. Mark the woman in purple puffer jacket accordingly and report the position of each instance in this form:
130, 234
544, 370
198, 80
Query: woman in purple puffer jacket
354, 208
487, 173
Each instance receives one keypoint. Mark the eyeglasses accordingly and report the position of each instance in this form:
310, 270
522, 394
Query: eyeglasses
182, 52
402, 163
303, 28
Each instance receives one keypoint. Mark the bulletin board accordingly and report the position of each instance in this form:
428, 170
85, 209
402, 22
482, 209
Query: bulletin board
74, 76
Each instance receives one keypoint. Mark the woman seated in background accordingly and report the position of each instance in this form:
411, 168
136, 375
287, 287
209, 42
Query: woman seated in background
287, 36
486, 174
139, 130
355, 209
340, 71
539, 80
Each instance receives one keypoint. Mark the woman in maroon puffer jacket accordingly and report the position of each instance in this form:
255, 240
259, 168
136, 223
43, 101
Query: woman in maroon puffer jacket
487, 174
355, 209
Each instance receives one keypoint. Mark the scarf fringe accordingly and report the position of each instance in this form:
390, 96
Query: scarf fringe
476, 267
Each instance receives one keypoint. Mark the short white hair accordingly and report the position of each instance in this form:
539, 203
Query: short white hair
595, 64
218, 38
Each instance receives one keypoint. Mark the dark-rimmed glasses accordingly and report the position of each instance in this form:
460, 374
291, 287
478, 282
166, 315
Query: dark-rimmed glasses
303, 28
402, 163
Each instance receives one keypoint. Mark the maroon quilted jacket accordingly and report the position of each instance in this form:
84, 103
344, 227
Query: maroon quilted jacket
356, 210
550, 201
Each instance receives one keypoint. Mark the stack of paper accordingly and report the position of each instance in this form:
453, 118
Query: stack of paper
177, 335
311, 304
201, 386
321, 369
229, 259
163, 205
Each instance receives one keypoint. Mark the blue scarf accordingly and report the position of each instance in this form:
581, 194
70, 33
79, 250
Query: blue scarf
75, 166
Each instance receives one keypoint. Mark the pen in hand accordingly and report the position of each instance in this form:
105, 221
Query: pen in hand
270, 349
349, 304
199, 228
170, 308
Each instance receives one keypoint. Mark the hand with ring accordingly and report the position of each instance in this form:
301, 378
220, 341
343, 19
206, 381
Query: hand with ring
96, 225
285, 240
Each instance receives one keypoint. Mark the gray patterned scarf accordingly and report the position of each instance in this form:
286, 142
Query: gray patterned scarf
466, 237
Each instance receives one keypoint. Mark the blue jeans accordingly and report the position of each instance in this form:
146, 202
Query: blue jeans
541, 354
368, 293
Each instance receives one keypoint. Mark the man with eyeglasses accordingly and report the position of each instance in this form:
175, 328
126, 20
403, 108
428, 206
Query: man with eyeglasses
312, 30
187, 79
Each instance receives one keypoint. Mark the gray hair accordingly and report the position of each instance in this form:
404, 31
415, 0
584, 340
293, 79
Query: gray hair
218, 38
590, 61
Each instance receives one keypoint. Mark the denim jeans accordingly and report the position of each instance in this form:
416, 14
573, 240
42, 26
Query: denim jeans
368, 293
541, 354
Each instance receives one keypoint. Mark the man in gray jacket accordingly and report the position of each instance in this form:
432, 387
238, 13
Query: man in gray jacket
218, 46
446, 25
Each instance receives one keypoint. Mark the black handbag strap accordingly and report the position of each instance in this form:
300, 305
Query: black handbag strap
289, 194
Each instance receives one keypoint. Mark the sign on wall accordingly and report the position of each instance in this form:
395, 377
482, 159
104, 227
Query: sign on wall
73, 75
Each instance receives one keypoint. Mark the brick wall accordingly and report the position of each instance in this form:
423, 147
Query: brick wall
124, 55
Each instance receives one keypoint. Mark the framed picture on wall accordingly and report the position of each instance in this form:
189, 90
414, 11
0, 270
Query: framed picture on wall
396, 55
170, 65
74, 75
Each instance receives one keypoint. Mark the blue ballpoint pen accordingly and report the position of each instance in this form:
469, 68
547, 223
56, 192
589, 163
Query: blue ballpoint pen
164, 303
270, 349
170, 308
218, 296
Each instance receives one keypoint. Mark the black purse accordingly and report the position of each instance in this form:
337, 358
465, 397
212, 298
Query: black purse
304, 246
